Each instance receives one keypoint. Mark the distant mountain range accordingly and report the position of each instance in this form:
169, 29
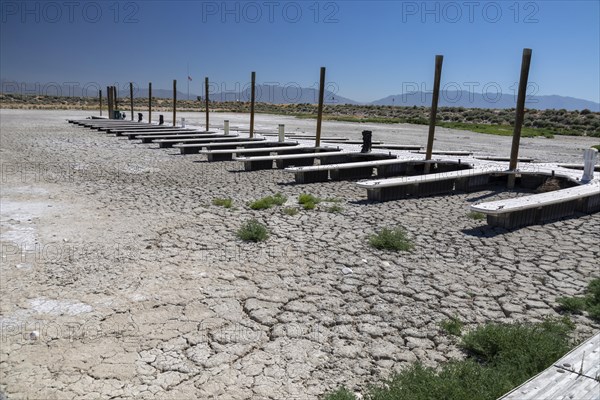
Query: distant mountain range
453, 98
295, 94
264, 94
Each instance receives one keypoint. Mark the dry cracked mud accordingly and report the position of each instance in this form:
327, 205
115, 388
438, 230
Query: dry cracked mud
121, 279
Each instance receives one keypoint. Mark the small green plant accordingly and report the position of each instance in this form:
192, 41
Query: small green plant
341, 394
278, 199
476, 215
391, 239
597, 147
594, 312
309, 206
268, 202
452, 326
336, 208
590, 302
290, 211
530, 348
500, 357
574, 305
308, 201
253, 231
227, 203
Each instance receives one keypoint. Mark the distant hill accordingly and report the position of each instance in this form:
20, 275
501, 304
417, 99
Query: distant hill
283, 95
475, 100
264, 93
296, 95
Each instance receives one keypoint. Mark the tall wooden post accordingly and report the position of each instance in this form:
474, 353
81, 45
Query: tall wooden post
150, 102
520, 115
115, 98
252, 99
100, 98
131, 98
434, 105
206, 100
109, 102
174, 101
320, 110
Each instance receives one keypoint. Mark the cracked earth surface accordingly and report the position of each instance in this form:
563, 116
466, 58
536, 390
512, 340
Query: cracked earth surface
137, 286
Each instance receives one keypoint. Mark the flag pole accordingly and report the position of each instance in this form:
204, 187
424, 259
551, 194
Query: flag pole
188, 80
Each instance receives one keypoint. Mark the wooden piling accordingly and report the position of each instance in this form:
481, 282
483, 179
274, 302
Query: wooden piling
131, 98
252, 99
109, 102
150, 102
520, 115
439, 59
206, 100
320, 110
100, 98
174, 102
115, 98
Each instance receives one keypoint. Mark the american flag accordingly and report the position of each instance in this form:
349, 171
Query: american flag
189, 78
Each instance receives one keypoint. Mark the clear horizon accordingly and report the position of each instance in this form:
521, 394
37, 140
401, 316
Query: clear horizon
371, 50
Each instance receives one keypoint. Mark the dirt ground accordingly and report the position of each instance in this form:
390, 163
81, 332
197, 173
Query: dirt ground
121, 279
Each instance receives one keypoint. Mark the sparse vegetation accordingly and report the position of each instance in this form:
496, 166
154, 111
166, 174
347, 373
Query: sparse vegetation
336, 208
452, 326
268, 202
597, 147
499, 358
391, 239
308, 201
476, 215
491, 121
226, 203
590, 302
253, 231
290, 211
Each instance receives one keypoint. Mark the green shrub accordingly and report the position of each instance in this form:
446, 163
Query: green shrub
593, 291
341, 394
594, 312
590, 302
597, 147
309, 206
466, 380
501, 357
452, 326
253, 231
573, 305
391, 239
227, 203
268, 202
290, 211
476, 215
336, 208
308, 201
525, 348
278, 199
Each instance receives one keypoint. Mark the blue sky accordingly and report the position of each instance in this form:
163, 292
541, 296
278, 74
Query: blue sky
371, 49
